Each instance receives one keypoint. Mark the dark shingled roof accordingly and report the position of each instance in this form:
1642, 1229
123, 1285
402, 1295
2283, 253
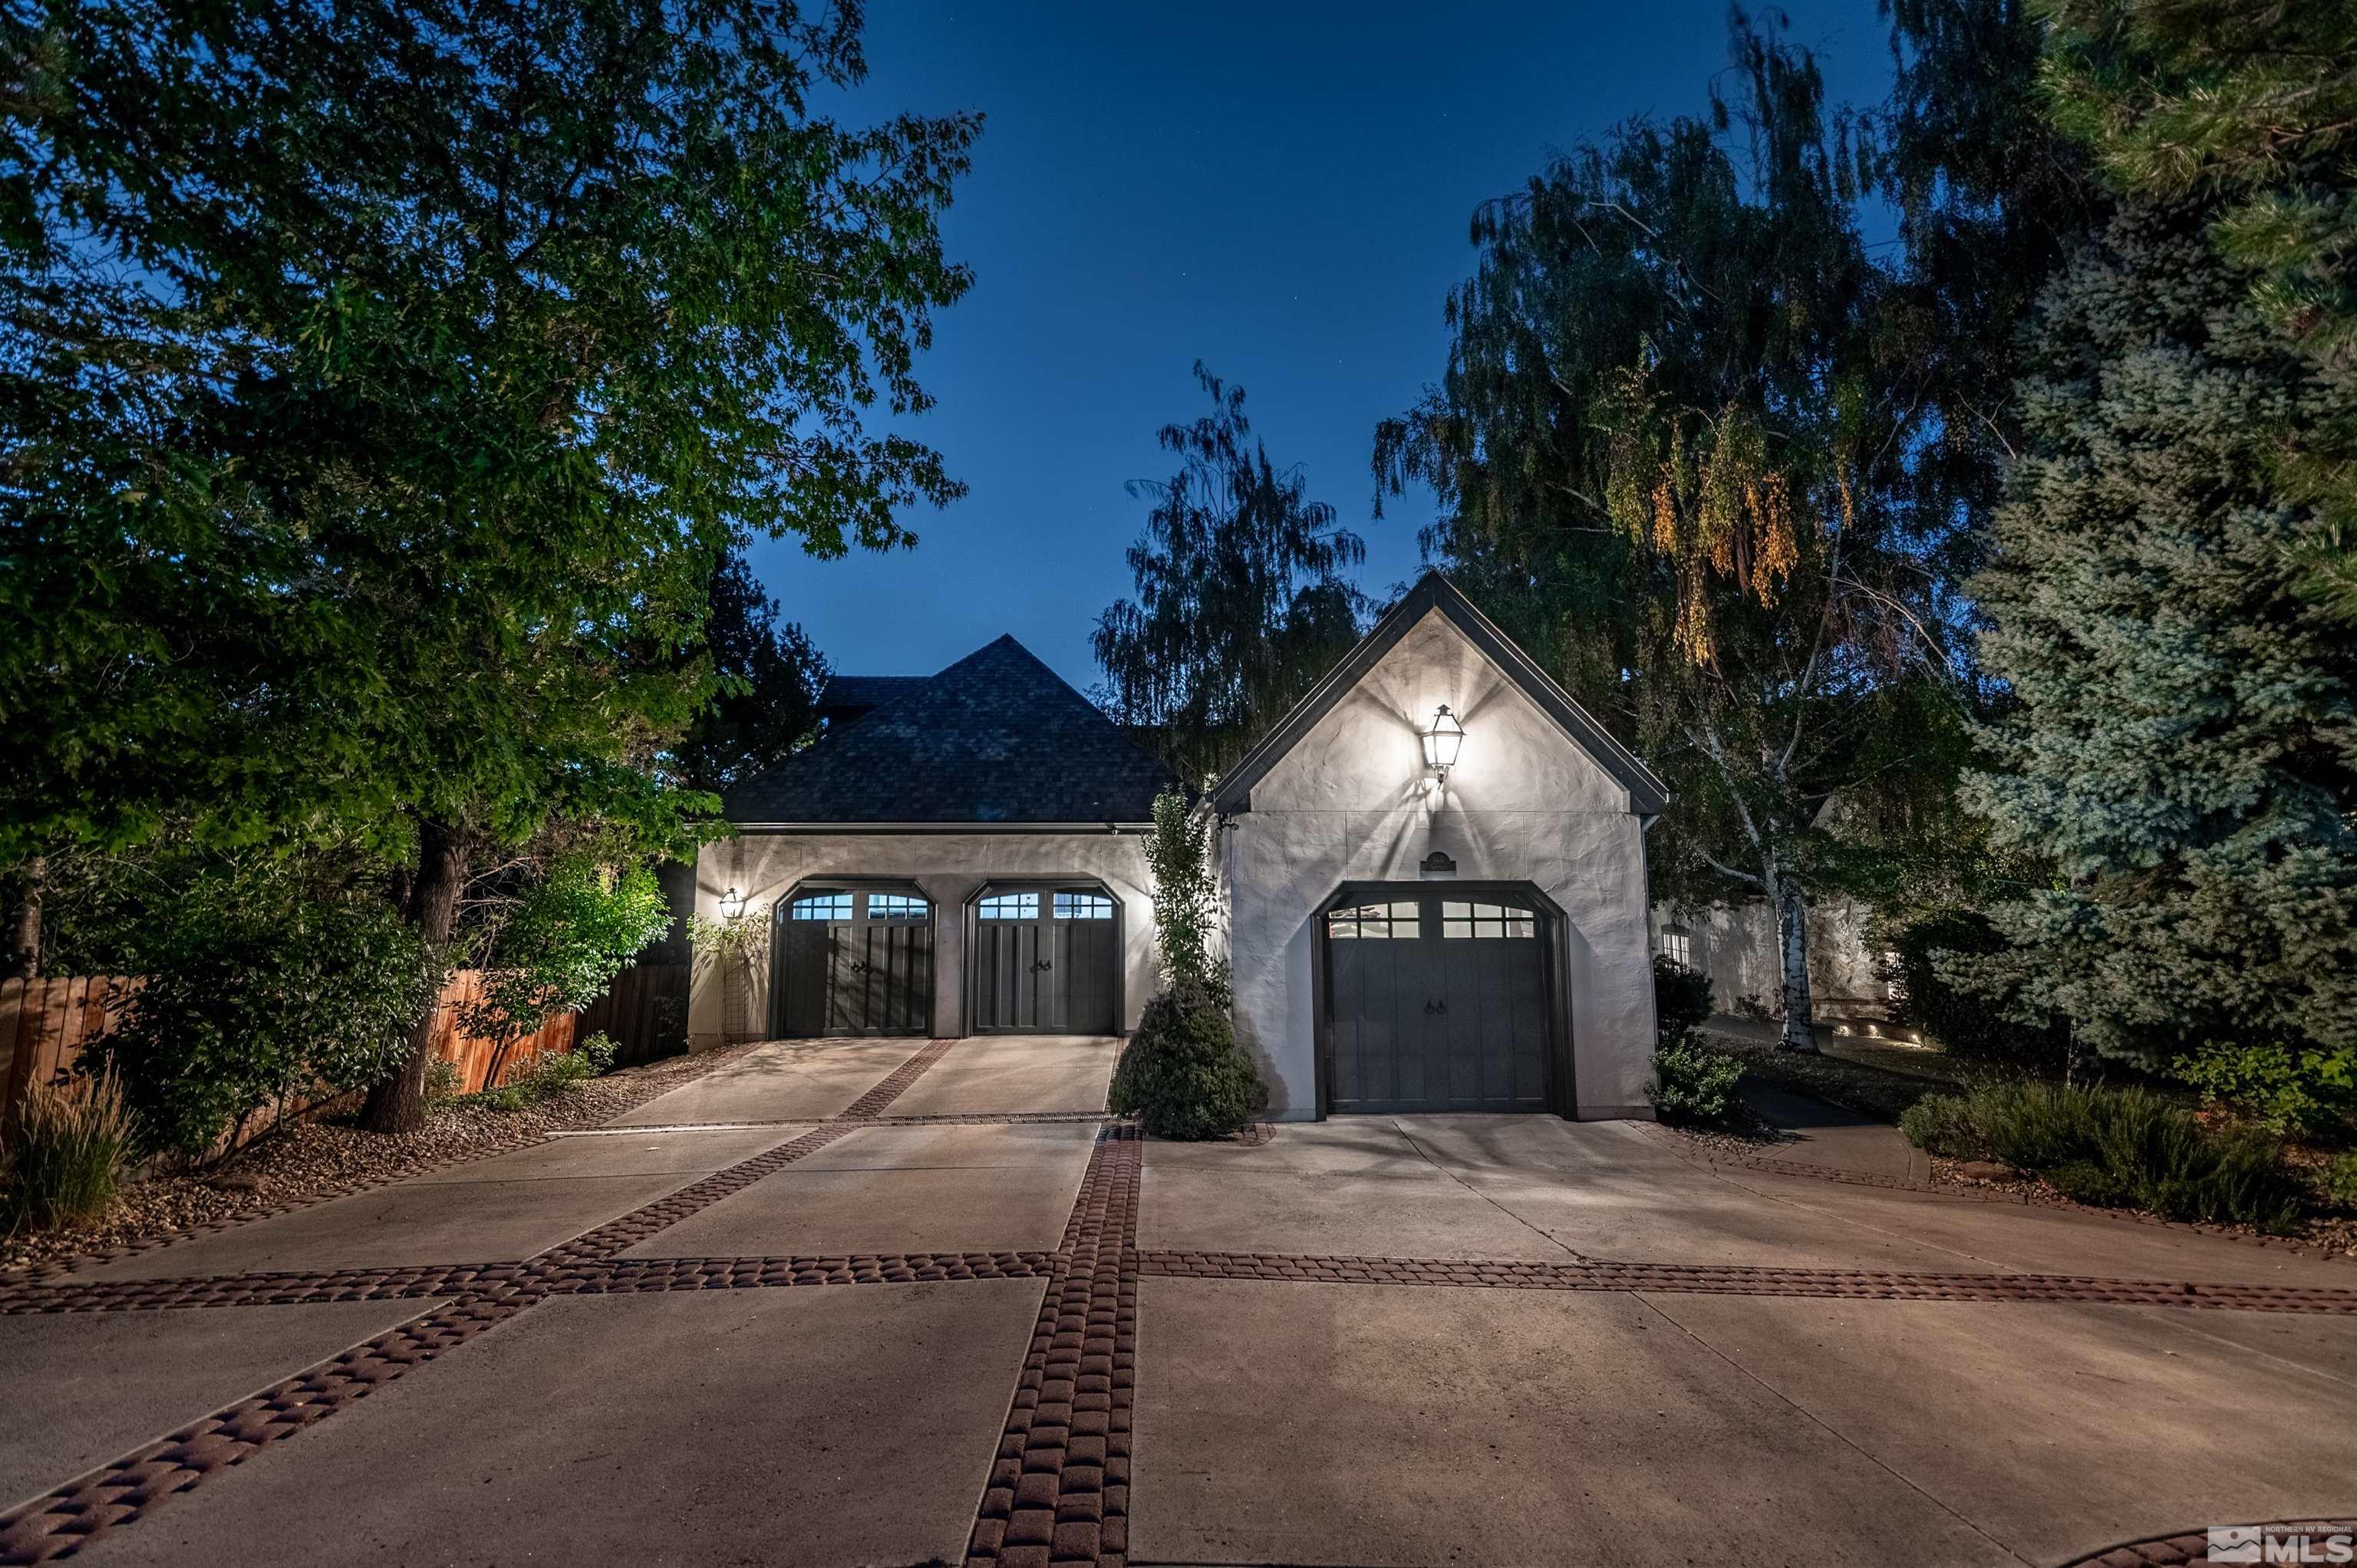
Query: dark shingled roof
995, 737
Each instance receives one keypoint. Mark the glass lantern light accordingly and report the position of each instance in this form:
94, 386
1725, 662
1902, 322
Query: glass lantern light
1442, 737
732, 904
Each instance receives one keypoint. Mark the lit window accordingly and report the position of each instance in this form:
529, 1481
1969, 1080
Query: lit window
820, 906
1083, 907
1677, 945
897, 906
1485, 922
1009, 906
1373, 922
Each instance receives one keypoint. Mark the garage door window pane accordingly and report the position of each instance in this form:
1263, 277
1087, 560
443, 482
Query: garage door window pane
820, 906
1478, 922
897, 906
1374, 922
1010, 907
1083, 907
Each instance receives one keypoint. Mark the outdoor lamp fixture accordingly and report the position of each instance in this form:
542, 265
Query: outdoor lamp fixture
1441, 740
732, 904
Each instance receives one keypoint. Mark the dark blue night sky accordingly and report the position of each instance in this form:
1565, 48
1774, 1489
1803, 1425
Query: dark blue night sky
1279, 189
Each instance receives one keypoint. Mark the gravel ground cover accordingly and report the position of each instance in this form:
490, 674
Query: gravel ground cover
324, 1156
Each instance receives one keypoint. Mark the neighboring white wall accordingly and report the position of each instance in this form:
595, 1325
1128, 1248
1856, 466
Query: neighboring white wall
949, 868
1735, 945
1350, 803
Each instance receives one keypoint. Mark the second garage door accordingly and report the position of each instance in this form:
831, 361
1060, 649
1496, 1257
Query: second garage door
1046, 961
1438, 1004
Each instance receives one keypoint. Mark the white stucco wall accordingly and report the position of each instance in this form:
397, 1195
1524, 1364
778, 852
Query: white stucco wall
1735, 945
1350, 802
949, 868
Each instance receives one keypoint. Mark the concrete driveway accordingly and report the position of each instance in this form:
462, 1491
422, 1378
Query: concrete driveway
850, 1301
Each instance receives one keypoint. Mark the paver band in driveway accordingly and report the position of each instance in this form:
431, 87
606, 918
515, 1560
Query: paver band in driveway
1598, 1275
1059, 1491
144, 1479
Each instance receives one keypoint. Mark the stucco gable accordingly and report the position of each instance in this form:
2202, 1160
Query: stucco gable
1435, 597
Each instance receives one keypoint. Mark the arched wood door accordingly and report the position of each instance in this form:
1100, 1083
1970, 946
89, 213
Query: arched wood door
853, 961
1046, 960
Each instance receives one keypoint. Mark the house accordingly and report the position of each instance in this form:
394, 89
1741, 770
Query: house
958, 854
1433, 870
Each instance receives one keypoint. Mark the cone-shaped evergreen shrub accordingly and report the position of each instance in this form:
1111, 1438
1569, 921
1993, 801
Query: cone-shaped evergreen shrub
1183, 1076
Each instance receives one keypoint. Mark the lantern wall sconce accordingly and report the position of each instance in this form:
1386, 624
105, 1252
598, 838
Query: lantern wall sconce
732, 904
1442, 739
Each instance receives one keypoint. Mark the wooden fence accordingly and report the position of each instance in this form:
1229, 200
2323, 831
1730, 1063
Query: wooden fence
644, 1013
44, 1024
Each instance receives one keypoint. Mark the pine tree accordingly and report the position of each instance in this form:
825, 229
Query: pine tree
2251, 104
2184, 739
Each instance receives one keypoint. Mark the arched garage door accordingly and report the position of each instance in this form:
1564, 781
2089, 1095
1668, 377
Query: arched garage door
1438, 1001
1045, 959
853, 961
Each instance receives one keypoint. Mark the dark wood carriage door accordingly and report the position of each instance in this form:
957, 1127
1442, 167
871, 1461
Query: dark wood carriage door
855, 962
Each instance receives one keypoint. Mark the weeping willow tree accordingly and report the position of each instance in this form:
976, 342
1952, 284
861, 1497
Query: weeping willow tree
1241, 603
1677, 450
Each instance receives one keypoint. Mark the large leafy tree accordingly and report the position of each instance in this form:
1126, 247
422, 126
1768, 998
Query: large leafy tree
2183, 738
1675, 447
1240, 604
2249, 107
384, 383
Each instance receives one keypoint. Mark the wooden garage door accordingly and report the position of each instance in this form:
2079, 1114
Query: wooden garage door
853, 962
1438, 1004
1047, 961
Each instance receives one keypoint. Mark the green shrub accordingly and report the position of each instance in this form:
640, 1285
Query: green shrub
64, 1155
2336, 1181
1926, 955
257, 990
543, 1077
1681, 996
1695, 1084
2283, 1089
571, 931
1943, 1124
441, 1082
1183, 1076
599, 1051
2115, 1148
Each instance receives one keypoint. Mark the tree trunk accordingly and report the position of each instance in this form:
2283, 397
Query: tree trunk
27, 938
1792, 933
397, 1103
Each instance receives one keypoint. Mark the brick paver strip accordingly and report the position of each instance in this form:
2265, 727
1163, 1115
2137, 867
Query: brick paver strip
1727, 1280
896, 1083
1059, 1491
118, 1493
2193, 1545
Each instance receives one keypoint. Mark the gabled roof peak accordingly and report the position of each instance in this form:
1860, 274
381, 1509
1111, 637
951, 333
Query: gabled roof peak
1434, 592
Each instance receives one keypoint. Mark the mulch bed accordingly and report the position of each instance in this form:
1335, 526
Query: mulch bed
308, 1160
2328, 1235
